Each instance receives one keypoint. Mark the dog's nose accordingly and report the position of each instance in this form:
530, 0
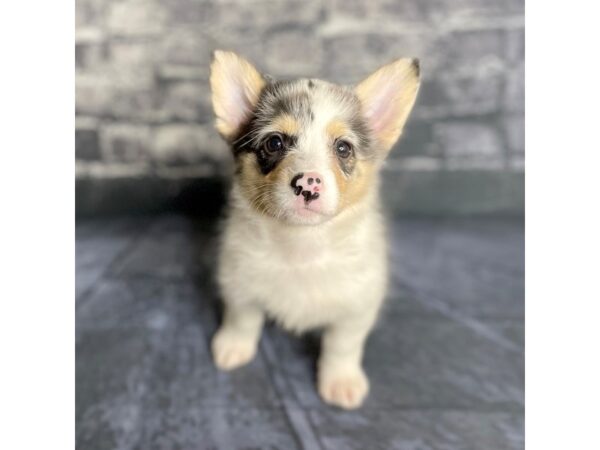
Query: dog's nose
308, 184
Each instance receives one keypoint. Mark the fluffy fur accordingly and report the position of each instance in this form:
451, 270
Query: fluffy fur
306, 263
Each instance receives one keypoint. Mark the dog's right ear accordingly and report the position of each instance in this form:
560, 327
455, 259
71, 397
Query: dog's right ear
236, 87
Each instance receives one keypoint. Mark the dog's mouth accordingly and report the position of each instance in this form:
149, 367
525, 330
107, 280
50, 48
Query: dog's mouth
308, 214
307, 211
294, 209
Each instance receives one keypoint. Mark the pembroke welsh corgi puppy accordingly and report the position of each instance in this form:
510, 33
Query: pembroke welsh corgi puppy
304, 240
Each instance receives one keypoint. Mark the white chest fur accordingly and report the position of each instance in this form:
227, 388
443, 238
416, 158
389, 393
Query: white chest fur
304, 277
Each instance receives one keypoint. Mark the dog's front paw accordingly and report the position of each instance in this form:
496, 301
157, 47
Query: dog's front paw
230, 350
343, 388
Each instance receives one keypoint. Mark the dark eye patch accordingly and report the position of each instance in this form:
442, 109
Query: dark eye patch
268, 160
272, 103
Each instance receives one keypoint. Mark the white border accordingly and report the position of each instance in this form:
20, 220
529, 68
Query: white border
37, 225
562, 226
37, 245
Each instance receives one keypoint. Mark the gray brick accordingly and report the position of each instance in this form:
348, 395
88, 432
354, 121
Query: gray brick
184, 101
125, 142
87, 145
408, 11
460, 138
514, 95
181, 144
124, 88
246, 17
351, 57
136, 18
91, 49
460, 95
514, 128
136, 105
474, 96
356, 9
417, 139
515, 45
252, 46
447, 11
470, 145
182, 72
470, 51
195, 13
185, 45
301, 43
90, 12
134, 95
489, 7
423, 12
93, 93
341, 68
89, 55
134, 55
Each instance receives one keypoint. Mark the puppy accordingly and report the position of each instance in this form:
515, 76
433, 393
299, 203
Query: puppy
304, 240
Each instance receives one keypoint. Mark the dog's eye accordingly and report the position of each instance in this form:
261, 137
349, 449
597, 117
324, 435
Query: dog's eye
343, 149
274, 144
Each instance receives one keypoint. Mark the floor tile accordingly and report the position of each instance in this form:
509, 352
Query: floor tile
218, 428
427, 260
416, 362
173, 248
147, 302
393, 429
445, 361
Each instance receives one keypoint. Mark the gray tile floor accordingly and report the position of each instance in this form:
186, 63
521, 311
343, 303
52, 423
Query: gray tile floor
446, 361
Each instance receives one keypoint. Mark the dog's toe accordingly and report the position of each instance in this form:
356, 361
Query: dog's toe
231, 351
345, 390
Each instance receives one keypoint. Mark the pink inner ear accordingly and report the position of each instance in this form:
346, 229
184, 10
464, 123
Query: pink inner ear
237, 102
381, 106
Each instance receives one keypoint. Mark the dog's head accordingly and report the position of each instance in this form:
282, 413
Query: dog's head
307, 149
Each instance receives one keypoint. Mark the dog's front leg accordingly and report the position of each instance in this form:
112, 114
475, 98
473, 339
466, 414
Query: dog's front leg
235, 342
341, 379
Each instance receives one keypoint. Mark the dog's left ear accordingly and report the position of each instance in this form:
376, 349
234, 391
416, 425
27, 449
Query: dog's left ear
236, 87
387, 97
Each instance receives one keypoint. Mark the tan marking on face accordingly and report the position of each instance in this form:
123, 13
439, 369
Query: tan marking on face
354, 188
337, 128
286, 124
258, 188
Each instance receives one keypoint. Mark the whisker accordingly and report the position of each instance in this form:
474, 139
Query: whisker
243, 136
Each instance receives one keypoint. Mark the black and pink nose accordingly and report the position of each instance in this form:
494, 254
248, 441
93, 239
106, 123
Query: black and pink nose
307, 184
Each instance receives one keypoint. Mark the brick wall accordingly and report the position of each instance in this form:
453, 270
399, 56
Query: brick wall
144, 122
